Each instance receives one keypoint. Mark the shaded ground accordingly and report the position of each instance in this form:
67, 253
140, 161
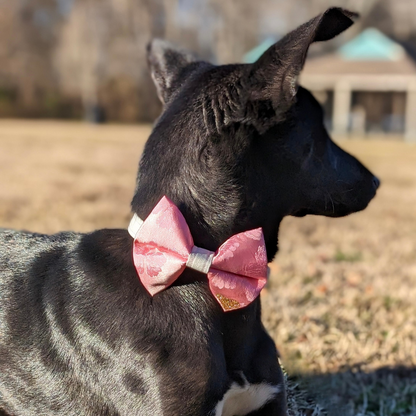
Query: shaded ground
341, 300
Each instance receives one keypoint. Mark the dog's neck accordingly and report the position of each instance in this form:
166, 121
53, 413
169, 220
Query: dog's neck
209, 226
209, 184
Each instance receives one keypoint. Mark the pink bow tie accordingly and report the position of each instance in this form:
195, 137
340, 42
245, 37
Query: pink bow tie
163, 247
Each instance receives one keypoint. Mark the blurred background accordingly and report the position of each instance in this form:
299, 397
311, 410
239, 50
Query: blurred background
86, 58
340, 304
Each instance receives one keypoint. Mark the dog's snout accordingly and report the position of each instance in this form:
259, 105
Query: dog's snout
376, 182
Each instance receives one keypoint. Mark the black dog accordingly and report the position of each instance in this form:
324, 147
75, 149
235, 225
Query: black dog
237, 147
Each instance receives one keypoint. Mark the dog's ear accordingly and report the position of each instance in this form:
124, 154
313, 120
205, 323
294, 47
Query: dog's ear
167, 64
274, 76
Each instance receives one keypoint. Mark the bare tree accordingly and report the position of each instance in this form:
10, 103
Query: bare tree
27, 36
95, 51
236, 28
82, 52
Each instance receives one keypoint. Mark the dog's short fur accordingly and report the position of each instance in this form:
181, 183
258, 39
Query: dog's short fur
236, 147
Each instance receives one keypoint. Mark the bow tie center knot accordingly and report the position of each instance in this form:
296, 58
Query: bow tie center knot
200, 259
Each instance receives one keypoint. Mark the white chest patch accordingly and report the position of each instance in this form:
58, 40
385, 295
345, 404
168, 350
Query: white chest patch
241, 400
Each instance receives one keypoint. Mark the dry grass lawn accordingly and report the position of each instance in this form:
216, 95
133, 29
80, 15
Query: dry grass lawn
341, 303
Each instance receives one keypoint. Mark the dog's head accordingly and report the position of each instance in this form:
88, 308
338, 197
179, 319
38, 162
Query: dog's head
241, 146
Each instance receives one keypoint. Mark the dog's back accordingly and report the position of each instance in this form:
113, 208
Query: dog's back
30, 265
79, 335
26, 262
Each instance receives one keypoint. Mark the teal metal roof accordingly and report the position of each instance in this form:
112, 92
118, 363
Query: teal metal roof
371, 45
254, 54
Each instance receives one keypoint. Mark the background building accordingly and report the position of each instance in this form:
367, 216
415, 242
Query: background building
366, 86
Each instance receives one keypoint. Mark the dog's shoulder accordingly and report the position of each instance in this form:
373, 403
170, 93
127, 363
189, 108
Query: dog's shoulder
14, 240
39, 266
21, 250
23, 247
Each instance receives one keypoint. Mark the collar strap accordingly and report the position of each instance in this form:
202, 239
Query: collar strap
135, 225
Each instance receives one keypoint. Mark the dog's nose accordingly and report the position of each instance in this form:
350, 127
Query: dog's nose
376, 182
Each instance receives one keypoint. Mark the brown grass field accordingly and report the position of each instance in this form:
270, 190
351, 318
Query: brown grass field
341, 302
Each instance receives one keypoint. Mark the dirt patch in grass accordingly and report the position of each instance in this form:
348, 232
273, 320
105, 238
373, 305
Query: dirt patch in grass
341, 299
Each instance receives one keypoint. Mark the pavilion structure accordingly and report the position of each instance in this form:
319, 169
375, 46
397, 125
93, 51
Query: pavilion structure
367, 85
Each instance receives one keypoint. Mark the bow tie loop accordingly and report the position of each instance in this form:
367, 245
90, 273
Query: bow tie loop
163, 247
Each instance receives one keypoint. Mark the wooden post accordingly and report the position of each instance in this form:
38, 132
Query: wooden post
342, 104
410, 133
